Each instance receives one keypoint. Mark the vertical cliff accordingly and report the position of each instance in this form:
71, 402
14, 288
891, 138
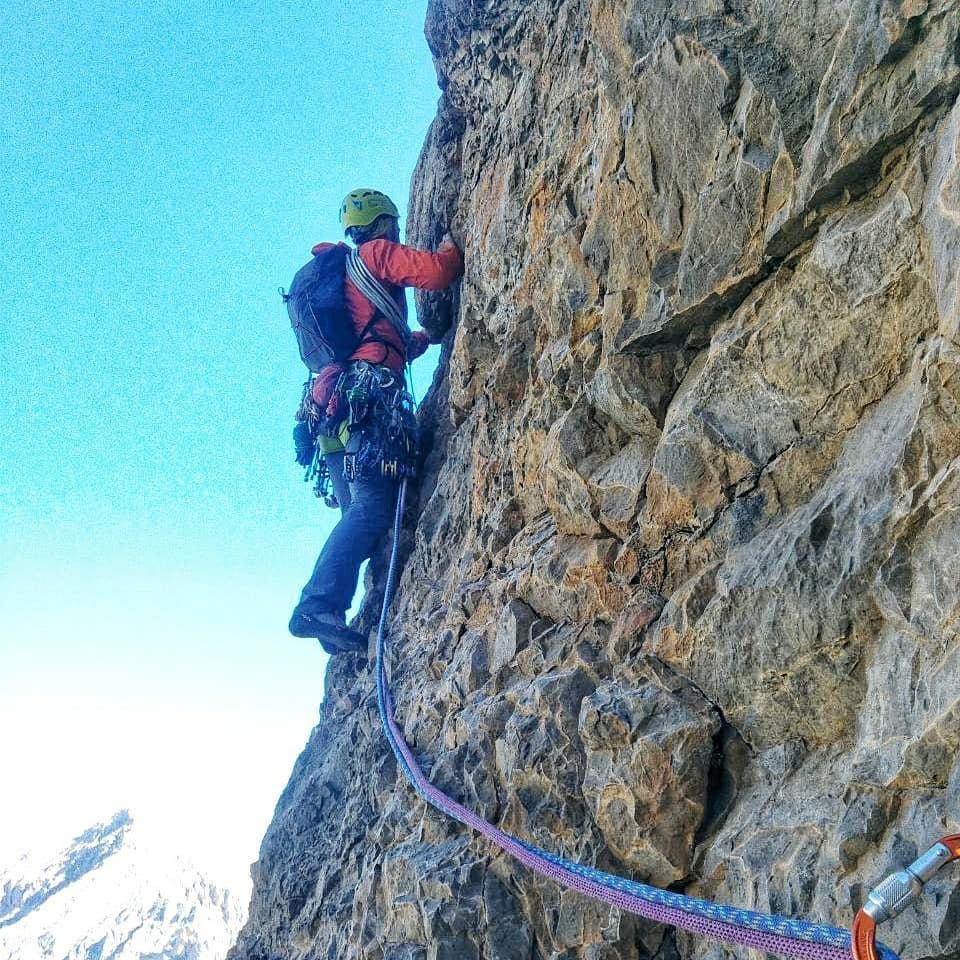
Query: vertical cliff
681, 593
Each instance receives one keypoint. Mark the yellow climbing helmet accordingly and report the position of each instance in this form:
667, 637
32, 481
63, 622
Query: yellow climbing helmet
361, 207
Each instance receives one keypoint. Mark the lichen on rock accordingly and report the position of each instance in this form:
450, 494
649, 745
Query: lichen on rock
680, 592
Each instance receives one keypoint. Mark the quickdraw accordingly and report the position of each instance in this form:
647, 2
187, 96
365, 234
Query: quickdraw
319, 474
310, 424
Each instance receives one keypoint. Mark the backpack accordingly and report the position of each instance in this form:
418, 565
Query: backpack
318, 312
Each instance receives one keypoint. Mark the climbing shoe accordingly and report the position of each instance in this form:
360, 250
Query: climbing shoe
330, 629
304, 624
342, 639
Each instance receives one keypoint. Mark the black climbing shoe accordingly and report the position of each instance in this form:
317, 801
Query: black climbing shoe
342, 639
330, 629
308, 623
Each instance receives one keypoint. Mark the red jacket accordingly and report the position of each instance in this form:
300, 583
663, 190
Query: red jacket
397, 265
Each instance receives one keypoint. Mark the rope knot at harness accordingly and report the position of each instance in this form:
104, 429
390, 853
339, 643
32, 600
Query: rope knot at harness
891, 897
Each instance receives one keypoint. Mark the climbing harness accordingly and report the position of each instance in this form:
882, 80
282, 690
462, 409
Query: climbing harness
770, 933
897, 892
377, 410
382, 424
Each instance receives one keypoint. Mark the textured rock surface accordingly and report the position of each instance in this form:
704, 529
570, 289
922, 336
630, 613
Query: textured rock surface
680, 596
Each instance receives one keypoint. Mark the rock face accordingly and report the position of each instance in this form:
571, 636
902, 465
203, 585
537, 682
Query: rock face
107, 896
681, 593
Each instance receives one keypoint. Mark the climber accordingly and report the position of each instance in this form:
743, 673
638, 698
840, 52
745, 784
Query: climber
368, 432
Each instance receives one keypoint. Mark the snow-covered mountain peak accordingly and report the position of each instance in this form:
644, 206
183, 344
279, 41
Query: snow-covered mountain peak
111, 892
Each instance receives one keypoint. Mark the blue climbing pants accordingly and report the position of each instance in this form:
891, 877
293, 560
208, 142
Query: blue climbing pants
366, 515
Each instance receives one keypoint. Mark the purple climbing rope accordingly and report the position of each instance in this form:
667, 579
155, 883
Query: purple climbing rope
770, 933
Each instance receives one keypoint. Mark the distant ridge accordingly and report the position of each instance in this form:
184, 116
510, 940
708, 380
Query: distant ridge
107, 895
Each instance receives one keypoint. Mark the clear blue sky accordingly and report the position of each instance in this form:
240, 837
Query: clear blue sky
164, 167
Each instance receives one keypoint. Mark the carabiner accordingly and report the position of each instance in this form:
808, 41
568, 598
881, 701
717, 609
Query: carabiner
896, 893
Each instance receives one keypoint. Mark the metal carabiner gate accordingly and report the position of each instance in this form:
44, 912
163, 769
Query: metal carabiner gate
896, 893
